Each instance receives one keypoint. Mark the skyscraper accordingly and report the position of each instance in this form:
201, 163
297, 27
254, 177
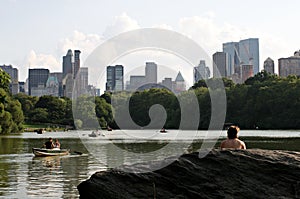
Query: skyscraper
232, 51
249, 53
269, 65
37, 79
246, 72
243, 52
76, 62
179, 84
14, 77
114, 78
119, 78
201, 71
220, 64
83, 80
68, 63
290, 65
151, 72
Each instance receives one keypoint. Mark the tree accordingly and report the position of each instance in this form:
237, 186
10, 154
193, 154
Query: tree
11, 115
4, 80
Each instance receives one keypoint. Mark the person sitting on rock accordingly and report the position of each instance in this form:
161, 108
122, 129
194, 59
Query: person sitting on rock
232, 141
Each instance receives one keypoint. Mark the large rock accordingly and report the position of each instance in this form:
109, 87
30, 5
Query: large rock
220, 174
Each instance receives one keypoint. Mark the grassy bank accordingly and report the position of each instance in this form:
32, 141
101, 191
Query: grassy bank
46, 127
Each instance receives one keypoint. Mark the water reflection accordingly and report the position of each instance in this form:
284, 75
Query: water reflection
22, 175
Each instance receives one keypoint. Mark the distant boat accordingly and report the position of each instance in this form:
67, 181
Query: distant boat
40, 131
163, 130
42, 152
96, 134
93, 134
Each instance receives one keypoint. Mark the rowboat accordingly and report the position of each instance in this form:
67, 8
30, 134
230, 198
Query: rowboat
50, 152
163, 130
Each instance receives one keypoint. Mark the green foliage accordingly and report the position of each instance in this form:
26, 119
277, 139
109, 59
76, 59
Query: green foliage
27, 103
46, 109
4, 80
141, 102
11, 115
265, 101
104, 112
78, 123
85, 110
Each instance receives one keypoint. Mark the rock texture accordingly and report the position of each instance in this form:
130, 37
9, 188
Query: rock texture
220, 174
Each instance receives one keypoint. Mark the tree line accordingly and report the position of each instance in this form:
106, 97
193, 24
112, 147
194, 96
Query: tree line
264, 101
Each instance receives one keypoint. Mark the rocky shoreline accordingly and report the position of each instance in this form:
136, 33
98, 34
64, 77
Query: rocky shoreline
250, 173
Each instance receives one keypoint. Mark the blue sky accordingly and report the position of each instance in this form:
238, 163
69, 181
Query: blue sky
38, 33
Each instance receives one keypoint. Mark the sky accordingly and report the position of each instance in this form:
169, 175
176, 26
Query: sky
36, 34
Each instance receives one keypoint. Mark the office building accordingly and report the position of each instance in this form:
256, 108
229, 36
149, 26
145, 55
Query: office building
220, 64
82, 81
249, 53
179, 84
136, 81
243, 52
37, 79
68, 85
14, 77
59, 77
52, 86
201, 71
246, 72
232, 51
115, 78
269, 65
68, 63
289, 66
151, 72
76, 62
167, 82
22, 87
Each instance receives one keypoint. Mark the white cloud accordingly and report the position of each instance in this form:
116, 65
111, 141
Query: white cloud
163, 26
86, 43
121, 24
204, 29
38, 60
210, 35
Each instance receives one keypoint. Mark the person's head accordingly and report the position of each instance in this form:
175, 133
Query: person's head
50, 139
56, 140
232, 132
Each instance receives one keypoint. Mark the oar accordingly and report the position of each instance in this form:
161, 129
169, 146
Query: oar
78, 152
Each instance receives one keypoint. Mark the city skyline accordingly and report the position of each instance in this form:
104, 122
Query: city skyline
33, 36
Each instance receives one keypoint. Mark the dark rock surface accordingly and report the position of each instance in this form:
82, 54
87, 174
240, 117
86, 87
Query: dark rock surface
221, 174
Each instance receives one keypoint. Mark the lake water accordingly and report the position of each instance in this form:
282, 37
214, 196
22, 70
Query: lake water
24, 176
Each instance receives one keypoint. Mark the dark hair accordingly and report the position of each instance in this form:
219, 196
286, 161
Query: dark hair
232, 132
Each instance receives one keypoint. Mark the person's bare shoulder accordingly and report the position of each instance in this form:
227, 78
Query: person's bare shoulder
243, 145
223, 143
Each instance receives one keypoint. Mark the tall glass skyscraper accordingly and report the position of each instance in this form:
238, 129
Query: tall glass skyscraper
114, 78
68, 63
242, 52
249, 53
233, 61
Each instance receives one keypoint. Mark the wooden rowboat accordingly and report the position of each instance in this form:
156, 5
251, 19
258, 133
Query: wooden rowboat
50, 152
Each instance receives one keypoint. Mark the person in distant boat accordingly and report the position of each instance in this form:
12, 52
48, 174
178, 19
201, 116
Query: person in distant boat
232, 141
49, 144
56, 144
